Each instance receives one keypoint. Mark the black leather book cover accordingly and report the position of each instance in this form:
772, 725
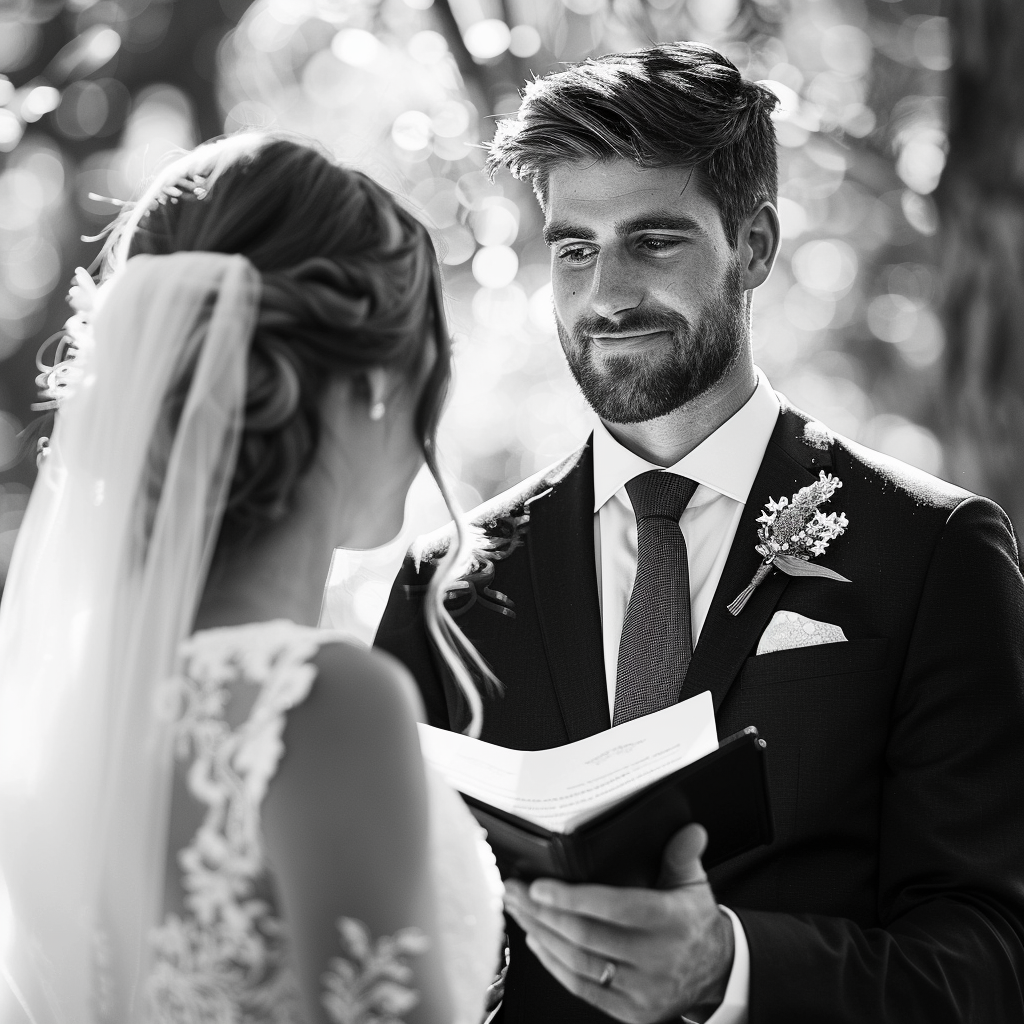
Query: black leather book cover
726, 791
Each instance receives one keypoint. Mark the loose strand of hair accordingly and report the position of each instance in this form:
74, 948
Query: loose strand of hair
457, 652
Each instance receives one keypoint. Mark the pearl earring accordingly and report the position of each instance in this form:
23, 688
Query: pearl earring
377, 411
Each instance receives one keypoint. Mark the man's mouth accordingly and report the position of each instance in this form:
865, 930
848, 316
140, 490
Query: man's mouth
627, 340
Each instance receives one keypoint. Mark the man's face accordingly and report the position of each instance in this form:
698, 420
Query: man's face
649, 298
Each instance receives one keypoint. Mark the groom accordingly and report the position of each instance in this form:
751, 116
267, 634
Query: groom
892, 704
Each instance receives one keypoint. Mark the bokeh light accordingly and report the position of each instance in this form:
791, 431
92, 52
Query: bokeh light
827, 265
412, 130
487, 38
848, 325
524, 41
356, 46
495, 266
40, 100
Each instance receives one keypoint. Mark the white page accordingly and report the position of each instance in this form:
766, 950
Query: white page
564, 786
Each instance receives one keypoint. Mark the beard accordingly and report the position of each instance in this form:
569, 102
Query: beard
633, 388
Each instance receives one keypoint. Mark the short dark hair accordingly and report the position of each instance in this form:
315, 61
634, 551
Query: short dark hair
679, 103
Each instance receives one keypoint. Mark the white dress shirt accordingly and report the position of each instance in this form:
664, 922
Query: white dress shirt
724, 466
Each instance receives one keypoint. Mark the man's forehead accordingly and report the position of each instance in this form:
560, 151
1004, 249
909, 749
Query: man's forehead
610, 187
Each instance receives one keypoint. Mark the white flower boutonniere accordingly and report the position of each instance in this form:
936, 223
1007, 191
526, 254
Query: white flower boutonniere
792, 532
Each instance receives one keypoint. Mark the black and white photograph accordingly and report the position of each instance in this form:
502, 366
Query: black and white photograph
510, 511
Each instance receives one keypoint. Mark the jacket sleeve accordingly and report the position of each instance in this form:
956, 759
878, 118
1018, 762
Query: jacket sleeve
950, 944
403, 633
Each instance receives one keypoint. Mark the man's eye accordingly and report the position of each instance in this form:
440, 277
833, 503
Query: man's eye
575, 254
658, 244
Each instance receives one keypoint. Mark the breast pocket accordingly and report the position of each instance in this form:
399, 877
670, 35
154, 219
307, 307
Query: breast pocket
823, 711
816, 662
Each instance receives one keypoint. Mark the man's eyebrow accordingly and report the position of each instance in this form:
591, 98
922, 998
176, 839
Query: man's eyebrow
657, 222
560, 229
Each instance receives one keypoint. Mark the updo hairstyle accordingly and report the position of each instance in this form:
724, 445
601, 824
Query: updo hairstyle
350, 281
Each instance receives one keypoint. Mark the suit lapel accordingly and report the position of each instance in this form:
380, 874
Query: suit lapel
561, 546
727, 640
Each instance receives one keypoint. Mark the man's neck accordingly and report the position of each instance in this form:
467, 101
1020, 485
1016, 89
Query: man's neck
667, 439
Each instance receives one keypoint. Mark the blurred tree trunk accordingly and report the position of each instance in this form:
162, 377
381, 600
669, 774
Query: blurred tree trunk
981, 206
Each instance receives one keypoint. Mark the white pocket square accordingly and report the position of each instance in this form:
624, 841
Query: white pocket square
791, 629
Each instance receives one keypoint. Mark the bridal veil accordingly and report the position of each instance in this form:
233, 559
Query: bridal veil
106, 576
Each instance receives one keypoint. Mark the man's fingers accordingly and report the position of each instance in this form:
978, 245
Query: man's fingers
623, 907
515, 889
590, 937
680, 863
583, 962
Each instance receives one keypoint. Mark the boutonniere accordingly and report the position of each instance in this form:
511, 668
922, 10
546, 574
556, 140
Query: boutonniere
792, 532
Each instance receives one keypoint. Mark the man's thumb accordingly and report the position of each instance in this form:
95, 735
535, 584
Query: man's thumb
680, 864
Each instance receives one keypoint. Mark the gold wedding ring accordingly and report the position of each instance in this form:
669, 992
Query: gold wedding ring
607, 974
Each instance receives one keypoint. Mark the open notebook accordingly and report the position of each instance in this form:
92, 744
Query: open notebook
603, 808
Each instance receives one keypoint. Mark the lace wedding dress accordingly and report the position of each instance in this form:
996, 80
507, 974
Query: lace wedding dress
225, 960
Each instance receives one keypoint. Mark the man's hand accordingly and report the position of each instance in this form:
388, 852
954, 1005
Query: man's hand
667, 951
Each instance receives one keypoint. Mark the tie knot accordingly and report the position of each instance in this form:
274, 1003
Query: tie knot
657, 493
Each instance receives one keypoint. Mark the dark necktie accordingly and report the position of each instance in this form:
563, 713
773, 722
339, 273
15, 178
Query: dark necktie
656, 644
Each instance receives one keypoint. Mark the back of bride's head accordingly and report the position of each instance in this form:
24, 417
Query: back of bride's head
348, 282
348, 285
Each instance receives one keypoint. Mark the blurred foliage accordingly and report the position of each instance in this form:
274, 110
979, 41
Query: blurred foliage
91, 91
981, 250
848, 325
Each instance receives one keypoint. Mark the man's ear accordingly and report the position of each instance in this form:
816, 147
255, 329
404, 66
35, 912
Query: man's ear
759, 239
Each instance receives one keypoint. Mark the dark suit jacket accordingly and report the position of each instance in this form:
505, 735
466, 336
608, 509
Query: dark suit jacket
894, 889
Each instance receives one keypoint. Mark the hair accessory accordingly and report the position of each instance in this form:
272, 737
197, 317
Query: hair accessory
193, 185
377, 411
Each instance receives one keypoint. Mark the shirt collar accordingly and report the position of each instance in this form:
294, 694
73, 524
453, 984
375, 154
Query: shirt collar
726, 461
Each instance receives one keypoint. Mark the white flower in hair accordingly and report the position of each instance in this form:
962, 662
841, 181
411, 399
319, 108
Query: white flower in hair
83, 297
57, 381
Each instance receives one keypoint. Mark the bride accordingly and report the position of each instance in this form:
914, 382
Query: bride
211, 811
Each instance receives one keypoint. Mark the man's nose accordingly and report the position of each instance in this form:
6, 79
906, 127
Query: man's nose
616, 287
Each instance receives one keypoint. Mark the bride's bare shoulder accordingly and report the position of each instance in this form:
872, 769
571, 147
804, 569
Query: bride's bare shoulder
362, 705
346, 818
351, 754
354, 678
